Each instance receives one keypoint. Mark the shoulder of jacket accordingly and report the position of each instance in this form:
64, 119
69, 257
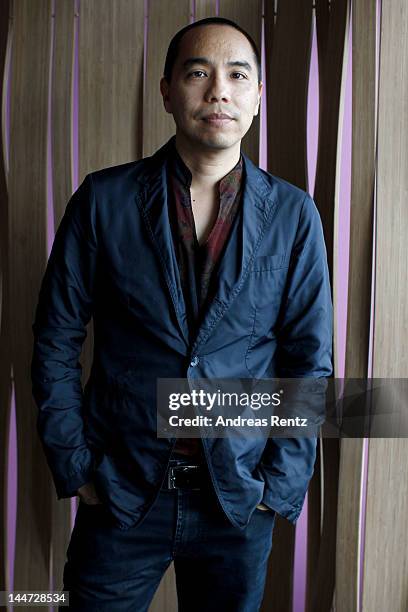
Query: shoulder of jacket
283, 188
278, 188
112, 175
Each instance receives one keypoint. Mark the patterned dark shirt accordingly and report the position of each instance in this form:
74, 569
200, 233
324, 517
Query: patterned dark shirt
198, 263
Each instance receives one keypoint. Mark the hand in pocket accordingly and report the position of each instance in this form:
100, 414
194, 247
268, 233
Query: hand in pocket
87, 494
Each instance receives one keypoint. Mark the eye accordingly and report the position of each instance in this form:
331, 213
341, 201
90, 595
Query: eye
195, 73
239, 74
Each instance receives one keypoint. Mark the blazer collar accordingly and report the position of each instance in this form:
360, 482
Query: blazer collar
257, 211
156, 164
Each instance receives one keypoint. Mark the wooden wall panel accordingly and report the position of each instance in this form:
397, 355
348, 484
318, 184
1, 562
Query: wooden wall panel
165, 598
349, 525
61, 132
111, 119
278, 592
288, 44
351, 475
332, 24
287, 53
390, 355
362, 188
110, 83
27, 194
321, 575
111, 38
205, 8
62, 105
385, 574
249, 16
5, 313
110, 123
163, 23
314, 520
385, 571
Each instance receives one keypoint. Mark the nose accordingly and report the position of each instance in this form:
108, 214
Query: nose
218, 89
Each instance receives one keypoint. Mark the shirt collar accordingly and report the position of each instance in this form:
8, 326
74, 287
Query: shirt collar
230, 181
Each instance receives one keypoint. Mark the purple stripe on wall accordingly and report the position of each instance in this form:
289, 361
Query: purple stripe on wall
344, 211
7, 92
312, 131
299, 570
312, 127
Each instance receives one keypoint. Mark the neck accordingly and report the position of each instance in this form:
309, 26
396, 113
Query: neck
207, 167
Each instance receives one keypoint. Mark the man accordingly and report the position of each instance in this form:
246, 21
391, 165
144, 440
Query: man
194, 263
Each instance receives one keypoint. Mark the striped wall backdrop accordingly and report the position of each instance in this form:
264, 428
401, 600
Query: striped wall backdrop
80, 91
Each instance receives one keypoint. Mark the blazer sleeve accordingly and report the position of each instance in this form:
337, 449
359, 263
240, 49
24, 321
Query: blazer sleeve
65, 306
304, 336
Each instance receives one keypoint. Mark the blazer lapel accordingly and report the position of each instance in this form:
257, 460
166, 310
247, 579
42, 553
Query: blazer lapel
258, 208
153, 205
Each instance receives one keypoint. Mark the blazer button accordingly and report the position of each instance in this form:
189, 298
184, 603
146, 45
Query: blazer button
195, 361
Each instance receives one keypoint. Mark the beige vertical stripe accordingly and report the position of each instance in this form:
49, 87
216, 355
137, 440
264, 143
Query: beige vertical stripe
205, 8
362, 188
110, 82
385, 573
28, 197
351, 477
164, 20
386, 551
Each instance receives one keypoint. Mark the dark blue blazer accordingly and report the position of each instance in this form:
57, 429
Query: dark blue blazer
113, 259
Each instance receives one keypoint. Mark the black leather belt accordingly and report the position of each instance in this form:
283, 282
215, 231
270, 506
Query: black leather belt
185, 476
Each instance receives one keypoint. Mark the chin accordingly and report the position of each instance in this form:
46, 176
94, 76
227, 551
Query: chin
216, 141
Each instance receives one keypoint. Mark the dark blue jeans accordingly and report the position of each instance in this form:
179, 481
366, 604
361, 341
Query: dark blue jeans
218, 567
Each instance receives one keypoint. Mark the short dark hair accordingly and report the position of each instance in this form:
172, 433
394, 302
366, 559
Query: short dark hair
173, 50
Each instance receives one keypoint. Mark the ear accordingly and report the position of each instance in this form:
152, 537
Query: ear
164, 90
257, 107
260, 86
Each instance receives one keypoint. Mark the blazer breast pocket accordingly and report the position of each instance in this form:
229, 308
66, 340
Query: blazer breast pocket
266, 282
263, 263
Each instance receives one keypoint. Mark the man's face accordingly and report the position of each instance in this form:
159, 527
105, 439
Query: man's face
215, 74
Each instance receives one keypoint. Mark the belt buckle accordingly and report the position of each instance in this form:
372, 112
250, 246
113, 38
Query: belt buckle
171, 477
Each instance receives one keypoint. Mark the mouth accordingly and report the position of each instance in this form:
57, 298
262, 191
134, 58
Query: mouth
217, 120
